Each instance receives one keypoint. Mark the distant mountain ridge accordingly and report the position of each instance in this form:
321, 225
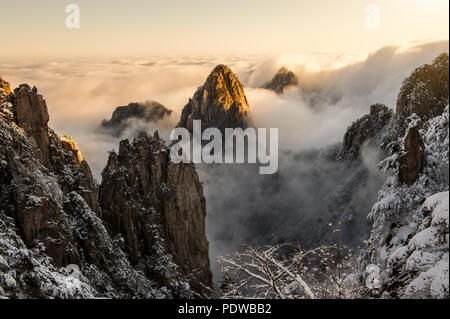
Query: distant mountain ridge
283, 79
148, 111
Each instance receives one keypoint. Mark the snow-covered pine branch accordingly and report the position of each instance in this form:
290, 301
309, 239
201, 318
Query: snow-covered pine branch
289, 272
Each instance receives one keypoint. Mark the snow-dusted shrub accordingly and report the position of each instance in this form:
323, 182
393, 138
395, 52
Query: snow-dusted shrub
290, 272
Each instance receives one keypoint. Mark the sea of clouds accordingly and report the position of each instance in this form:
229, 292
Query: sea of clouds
243, 207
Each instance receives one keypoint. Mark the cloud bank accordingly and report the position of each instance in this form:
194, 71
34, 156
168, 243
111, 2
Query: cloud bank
244, 207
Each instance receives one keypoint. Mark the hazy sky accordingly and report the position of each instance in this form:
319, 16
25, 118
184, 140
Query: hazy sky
199, 27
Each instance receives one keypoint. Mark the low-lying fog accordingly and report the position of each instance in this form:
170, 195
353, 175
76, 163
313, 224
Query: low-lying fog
244, 207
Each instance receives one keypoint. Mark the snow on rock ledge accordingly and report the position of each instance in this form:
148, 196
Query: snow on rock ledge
410, 234
429, 257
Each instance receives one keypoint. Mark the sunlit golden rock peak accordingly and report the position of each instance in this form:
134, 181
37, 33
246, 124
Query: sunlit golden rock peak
69, 145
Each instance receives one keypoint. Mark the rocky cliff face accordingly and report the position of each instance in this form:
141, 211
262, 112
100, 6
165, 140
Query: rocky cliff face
32, 115
411, 161
409, 238
149, 111
367, 130
283, 79
5, 90
409, 241
52, 222
219, 103
161, 212
47, 224
425, 91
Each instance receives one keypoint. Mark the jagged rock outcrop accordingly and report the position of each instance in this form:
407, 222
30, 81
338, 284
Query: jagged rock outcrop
425, 91
409, 238
51, 221
409, 241
149, 111
5, 86
44, 199
283, 79
407, 250
35, 196
412, 160
70, 145
219, 103
5, 90
32, 115
31, 180
159, 209
367, 130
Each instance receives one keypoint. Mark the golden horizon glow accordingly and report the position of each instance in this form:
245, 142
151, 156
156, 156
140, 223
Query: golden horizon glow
204, 27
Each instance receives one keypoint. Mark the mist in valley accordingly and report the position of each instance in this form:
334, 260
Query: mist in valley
311, 189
